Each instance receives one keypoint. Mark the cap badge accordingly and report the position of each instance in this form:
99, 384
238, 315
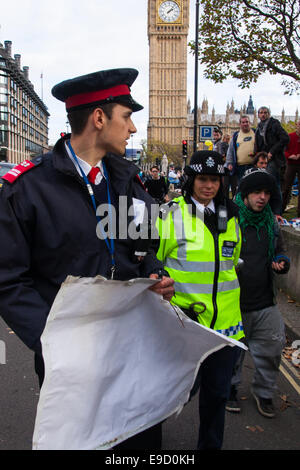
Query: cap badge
210, 162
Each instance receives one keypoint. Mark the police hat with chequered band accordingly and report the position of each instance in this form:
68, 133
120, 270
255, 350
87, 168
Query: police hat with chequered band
105, 86
205, 162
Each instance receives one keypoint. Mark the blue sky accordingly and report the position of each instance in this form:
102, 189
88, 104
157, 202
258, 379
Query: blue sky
64, 39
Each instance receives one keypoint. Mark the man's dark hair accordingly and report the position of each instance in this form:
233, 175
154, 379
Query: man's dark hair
266, 108
154, 166
259, 155
79, 117
217, 129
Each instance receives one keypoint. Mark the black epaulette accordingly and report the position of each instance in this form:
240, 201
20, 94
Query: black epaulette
165, 209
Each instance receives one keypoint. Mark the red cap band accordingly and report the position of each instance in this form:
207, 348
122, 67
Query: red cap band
94, 96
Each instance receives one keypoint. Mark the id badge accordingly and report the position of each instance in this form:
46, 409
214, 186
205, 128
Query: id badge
227, 249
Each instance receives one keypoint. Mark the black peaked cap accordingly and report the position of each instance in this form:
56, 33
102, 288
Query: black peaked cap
105, 86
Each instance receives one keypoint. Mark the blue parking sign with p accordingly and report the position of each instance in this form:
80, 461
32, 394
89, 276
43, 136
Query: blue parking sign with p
205, 132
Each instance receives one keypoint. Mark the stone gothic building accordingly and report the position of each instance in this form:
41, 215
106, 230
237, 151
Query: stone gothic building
229, 122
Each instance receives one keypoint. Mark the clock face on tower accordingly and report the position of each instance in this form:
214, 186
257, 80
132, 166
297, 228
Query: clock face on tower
169, 11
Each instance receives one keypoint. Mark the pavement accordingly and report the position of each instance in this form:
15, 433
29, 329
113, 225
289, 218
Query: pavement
290, 310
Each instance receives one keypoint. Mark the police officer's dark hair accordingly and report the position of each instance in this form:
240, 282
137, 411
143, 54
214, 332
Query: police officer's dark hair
78, 118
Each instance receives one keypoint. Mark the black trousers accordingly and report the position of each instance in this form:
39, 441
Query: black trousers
150, 439
39, 368
214, 380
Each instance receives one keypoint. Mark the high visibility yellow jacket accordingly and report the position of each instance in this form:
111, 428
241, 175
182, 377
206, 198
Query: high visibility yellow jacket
202, 265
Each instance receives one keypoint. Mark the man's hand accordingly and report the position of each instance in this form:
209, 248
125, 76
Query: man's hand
164, 287
279, 219
278, 266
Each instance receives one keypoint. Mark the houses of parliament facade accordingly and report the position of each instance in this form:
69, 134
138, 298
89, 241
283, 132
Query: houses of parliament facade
229, 120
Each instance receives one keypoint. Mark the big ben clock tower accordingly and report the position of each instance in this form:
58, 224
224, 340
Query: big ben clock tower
168, 22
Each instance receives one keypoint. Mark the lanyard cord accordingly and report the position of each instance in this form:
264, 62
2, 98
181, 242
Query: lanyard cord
110, 243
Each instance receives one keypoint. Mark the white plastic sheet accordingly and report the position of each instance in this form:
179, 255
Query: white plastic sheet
118, 359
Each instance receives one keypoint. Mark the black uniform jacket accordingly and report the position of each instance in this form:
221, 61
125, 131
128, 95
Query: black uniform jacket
48, 231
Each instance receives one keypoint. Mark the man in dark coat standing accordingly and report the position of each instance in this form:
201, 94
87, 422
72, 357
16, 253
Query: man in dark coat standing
50, 222
270, 137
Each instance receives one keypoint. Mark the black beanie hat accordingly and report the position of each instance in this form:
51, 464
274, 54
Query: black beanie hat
255, 179
205, 162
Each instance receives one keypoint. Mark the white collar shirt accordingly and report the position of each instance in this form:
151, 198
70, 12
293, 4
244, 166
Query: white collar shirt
86, 167
201, 207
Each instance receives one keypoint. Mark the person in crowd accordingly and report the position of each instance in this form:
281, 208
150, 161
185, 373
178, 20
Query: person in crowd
261, 160
240, 153
156, 186
48, 212
292, 155
217, 140
180, 180
200, 243
172, 178
263, 255
142, 176
229, 180
224, 146
270, 137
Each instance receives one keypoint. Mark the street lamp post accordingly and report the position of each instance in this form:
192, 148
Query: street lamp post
196, 79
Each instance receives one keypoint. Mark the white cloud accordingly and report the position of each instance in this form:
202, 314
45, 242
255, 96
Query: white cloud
64, 39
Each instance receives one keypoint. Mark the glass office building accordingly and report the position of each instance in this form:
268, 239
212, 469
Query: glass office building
23, 115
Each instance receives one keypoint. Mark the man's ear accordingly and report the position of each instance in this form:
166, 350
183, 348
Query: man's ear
98, 118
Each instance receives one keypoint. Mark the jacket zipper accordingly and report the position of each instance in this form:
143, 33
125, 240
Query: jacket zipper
216, 277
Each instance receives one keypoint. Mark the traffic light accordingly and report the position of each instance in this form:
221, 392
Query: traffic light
184, 148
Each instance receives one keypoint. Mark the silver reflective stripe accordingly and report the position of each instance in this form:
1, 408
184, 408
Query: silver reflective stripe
193, 288
185, 288
197, 266
180, 233
228, 285
226, 265
237, 229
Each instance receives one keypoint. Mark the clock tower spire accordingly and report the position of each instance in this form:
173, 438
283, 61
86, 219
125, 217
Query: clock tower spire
168, 22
